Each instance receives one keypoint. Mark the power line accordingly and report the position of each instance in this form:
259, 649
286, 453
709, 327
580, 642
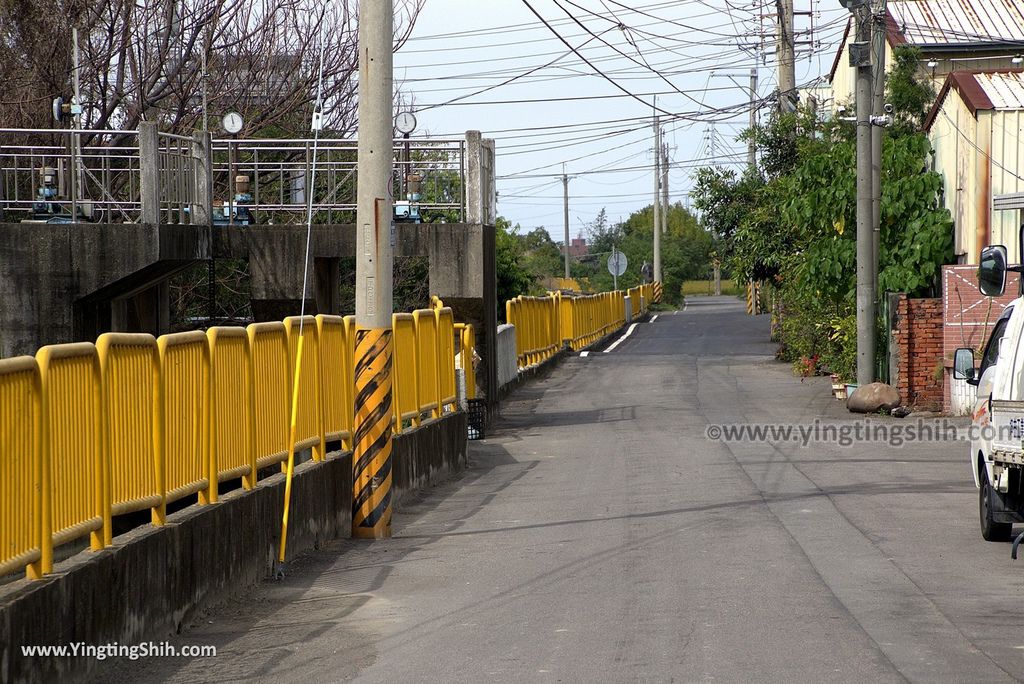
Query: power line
580, 55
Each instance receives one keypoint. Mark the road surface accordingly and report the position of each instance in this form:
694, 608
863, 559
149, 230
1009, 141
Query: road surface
600, 536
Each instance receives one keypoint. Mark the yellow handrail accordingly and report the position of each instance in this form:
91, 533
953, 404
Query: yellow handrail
73, 489
141, 422
21, 466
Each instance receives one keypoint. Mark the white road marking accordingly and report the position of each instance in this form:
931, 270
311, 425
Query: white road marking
583, 354
654, 318
619, 341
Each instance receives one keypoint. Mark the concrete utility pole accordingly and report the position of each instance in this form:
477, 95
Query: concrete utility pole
877, 132
565, 220
375, 239
664, 188
752, 144
865, 230
657, 200
786, 54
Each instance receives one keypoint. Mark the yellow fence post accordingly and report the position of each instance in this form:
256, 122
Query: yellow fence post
73, 498
21, 468
183, 416
232, 406
130, 382
271, 380
404, 390
467, 340
309, 432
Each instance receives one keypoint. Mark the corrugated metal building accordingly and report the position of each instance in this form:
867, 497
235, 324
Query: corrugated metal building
956, 34
977, 131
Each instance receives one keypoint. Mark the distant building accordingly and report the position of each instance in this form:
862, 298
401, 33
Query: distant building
953, 35
578, 247
974, 128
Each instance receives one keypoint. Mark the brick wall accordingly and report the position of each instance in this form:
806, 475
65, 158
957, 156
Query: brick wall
968, 315
918, 336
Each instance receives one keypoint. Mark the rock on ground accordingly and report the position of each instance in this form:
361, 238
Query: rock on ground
873, 397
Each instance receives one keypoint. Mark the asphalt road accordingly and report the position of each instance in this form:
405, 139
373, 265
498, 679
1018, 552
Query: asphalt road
600, 536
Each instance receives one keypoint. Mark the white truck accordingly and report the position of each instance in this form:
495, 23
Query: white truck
997, 434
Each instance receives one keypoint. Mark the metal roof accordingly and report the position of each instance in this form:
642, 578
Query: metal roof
958, 22
1005, 90
982, 90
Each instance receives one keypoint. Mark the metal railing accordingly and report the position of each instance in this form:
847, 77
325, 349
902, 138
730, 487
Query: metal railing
423, 382
96, 174
546, 324
101, 176
135, 422
279, 171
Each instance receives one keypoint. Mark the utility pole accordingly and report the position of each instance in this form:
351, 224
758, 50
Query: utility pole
565, 219
664, 187
786, 54
752, 143
375, 240
877, 132
865, 229
657, 200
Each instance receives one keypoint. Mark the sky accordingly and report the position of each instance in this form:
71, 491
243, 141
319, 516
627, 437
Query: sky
548, 106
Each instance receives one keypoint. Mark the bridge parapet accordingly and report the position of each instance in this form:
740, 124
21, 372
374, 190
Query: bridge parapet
147, 176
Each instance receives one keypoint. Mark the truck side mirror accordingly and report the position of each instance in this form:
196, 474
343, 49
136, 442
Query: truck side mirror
963, 365
992, 271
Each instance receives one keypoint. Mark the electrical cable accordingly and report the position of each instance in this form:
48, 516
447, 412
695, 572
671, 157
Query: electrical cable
316, 125
580, 55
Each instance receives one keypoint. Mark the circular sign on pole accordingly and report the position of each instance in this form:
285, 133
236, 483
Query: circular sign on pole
617, 263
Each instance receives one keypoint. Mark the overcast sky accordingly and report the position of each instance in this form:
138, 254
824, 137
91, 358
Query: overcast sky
679, 50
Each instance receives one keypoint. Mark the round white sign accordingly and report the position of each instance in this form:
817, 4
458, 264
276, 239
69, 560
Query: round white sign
617, 263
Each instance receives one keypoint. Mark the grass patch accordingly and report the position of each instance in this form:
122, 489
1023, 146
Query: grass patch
706, 287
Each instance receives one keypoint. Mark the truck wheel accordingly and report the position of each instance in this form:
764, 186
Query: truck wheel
990, 530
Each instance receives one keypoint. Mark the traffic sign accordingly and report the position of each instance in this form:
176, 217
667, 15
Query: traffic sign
617, 263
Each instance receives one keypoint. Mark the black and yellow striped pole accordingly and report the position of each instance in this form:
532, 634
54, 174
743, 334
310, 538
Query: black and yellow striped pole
371, 458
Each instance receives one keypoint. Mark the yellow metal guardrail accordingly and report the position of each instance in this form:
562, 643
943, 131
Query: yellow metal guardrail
21, 466
466, 362
73, 496
183, 424
536, 320
337, 365
446, 358
271, 377
546, 324
134, 423
130, 383
232, 423
309, 419
428, 391
404, 379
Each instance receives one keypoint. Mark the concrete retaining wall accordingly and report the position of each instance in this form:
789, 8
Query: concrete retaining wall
152, 581
427, 455
508, 366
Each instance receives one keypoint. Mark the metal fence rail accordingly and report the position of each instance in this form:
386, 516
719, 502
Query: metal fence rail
102, 176
134, 423
546, 324
278, 173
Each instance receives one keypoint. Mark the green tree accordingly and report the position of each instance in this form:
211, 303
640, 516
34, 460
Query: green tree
910, 96
512, 277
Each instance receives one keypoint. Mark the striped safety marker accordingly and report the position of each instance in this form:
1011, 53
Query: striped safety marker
657, 291
371, 502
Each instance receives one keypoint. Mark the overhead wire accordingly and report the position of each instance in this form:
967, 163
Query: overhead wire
580, 55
